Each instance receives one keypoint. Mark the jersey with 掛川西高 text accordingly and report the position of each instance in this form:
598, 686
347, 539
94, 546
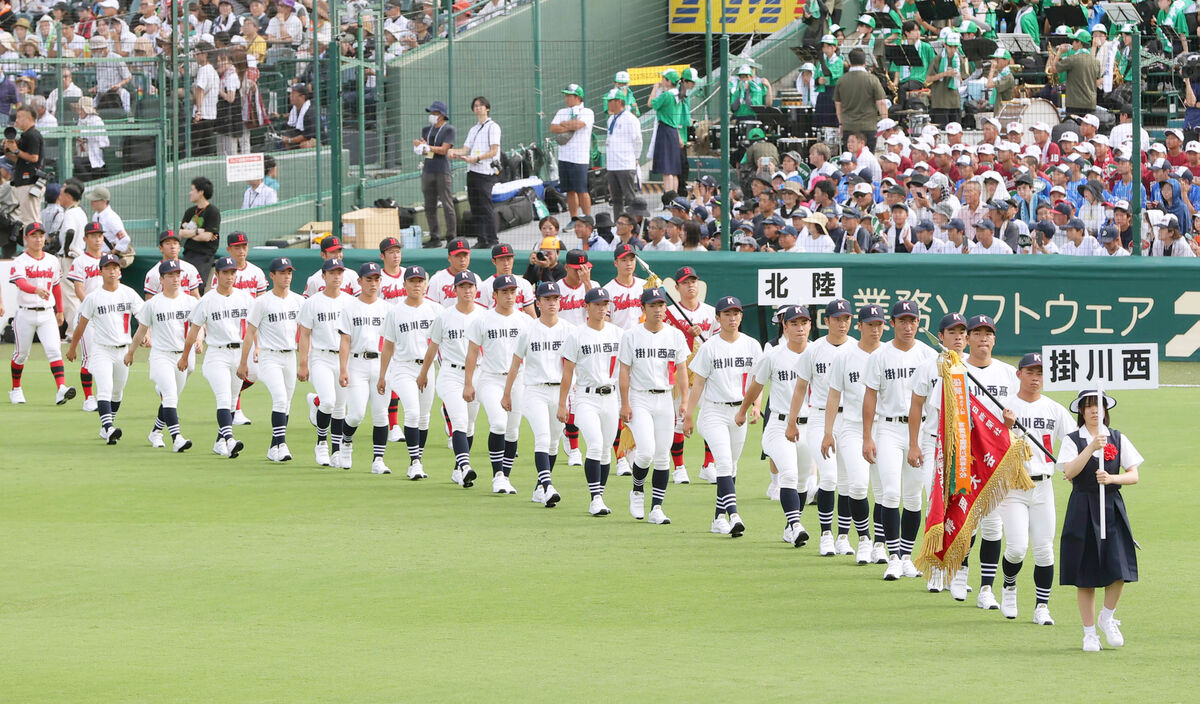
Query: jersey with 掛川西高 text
363, 323
322, 315
167, 320
814, 367
594, 354
891, 371
277, 320
726, 367
999, 378
776, 368
846, 378
449, 333
223, 316
654, 358
407, 328
496, 335
110, 315
488, 300
1046, 421
541, 348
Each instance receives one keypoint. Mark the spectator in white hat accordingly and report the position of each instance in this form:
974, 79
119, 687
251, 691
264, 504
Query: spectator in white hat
806, 85
1175, 154
954, 134
1051, 153
1170, 241
1192, 150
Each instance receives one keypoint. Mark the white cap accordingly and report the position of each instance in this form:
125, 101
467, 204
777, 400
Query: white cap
993, 122
154, 19
1157, 147
1015, 127
110, 3
1068, 137
1033, 151
953, 128
1192, 146
1091, 120
894, 140
621, 77
862, 188
808, 67
1007, 147
1041, 127
986, 149
1103, 139
920, 165
894, 158
963, 161
1058, 189
941, 149
885, 124
1086, 148
930, 131
1160, 164
959, 147
923, 144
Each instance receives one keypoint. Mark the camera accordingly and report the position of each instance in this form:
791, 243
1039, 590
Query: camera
541, 256
1189, 66
1024, 240
10, 132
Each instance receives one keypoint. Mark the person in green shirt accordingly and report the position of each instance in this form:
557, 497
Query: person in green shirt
912, 77
747, 91
1029, 23
688, 79
1124, 54
1082, 71
949, 69
1000, 79
1171, 14
621, 85
666, 145
829, 71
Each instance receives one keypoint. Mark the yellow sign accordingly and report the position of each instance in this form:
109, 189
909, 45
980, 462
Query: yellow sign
649, 75
740, 16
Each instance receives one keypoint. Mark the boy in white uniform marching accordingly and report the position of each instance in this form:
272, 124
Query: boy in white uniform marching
889, 380
39, 309
723, 367
448, 343
653, 357
392, 291
572, 308
540, 348
85, 278
272, 328
189, 276
590, 366
109, 310
251, 279
319, 346
845, 432
492, 336
361, 327
165, 319
405, 342
625, 311
222, 313
331, 248
696, 320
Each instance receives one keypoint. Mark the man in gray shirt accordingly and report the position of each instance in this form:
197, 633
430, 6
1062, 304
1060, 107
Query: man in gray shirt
436, 139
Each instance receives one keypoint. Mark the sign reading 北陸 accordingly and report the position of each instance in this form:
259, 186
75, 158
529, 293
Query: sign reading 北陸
778, 287
1111, 367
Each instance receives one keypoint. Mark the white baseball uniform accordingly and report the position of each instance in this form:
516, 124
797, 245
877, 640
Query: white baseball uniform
276, 320
322, 316
407, 327
441, 291
625, 311
250, 278
525, 297
85, 270
571, 306
776, 368
541, 349
224, 321
167, 320
189, 279
1028, 515
726, 367
363, 324
595, 397
391, 287
449, 333
891, 372
316, 284
814, 367
846, 377
1000, 378
928, 384
654, 359
35, 314
496, 335
110, 315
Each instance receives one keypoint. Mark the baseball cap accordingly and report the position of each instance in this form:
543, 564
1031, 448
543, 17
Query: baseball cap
1046, 228
789, 313
744, 239
1108, 234
924, 225
614, 94
997, 205
98, 193
949, 320
465, 277
577, 259
1040, 127
681, 204
330, 243
953, 128
871, 313
985, 224
624, 250
281, 264
905, 309
728, 303
106, 259
654, 295
684, 273
621, 77
457, 246
546, 289
597, 295
1170, 222
1075, 224
332, 264
574, 89
1032, 359
387, 243
34, 227
837, 308
169, 266
585, 219
369, 269
438, 106
502, 250
162, 236
981, 321
92, 227
1121, 205
504, 281
225, 264
415, 272
788, 230
1064, 208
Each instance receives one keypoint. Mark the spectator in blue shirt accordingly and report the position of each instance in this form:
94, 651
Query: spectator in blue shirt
8, 97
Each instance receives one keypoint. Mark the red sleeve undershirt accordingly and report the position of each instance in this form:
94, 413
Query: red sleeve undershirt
58, 298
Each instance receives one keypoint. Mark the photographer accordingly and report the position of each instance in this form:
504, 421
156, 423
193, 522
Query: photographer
26, 154
543, 262
1191, 116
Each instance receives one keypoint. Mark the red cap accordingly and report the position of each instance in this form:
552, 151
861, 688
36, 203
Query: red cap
623, 250
458, 246
330, 243
684, 273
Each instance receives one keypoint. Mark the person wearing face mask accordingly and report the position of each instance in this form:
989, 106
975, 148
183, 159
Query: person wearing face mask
436, 140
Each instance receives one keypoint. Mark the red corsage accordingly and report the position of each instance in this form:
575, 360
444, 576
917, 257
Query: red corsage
1110, 452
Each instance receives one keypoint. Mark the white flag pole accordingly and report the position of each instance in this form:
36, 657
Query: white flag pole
1101, 430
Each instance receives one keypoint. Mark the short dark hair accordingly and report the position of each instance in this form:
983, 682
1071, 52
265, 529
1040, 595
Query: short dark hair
908, 26
74, 191
827, 188
28, 109
202, 184
482, 101
1085, 403
627, 218
858, 57
268, 162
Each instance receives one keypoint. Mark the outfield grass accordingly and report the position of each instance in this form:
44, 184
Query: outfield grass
131, 574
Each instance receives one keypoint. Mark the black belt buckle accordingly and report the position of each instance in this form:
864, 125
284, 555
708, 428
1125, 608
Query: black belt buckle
234, 346
1040, 478
783, 419
602, 390
368, 355
730, 403
656, 391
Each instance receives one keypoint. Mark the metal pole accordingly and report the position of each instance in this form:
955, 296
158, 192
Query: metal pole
316, 104
380, 73
66, 147
362, 117
583, 61
164, 221
450, 64
176, 10
187, 104
726, 201
335, 116
708, 52
1135, 55
537, 70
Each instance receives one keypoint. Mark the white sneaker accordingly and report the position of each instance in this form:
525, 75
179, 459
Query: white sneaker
788, 535
863, 556
467, 477
89, 405
841, 546
598, 508
958, 585
498, 484
637, 504
879, 555
894, 571
574, 458
773, 488
737, 527
416, 470
986, 600
396, 434
681, 476
181, 444
657, 517
623, 468
379, 467
1008, 602
64, 394
708, 473
1091, 643
936, 580
825, 548
720, 525
310, 400
539, 495
908, 568
508, 487
272, 453
240, 418
220, 448
1041, 615
111, 435
283, 452
321, 454
799, 535
16, 396
345, 457
552, 497
234, 446
156, 439
456, 476
1112, 634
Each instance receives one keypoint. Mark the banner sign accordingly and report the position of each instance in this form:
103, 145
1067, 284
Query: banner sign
739, 16
649, 75
1111, 367
778, 287
240, 168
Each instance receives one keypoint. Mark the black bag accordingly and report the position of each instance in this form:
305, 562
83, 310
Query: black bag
517, 211
555, 201
597, 183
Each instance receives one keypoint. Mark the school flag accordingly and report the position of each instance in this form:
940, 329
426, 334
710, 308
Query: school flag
976, 465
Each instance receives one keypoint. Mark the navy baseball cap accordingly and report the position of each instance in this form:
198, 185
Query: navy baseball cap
985, 224
837, 308
34, 227
502, 250
281, 264
871, 313
457, 246
788, 230
106, 259
684, 273
905, 309
950, 320
546, 289
415, 272
601, 295
504, 281
1046, 228
624, 250
388, 243
1000, 205
236, 237
926, 225
334, 264
1075, 224
981, 321
465, 277
681, 203
789, 313
1065, 208
775, 220
654, 295
955, 224
165, 235
1109, 234
728, 303
1033, 359
170, 266
369, 269
330, 243
225, 264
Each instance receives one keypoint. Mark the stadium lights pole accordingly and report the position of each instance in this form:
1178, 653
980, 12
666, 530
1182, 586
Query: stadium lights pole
1135, 53
335, 117
726, 201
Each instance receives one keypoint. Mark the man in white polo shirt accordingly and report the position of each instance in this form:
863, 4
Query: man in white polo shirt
572, 126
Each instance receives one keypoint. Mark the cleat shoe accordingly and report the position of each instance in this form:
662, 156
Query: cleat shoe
657, 517
825, 548
574, 458
773, 488
310, 400
637, 504
708, 473
681, 476
114, 434
416, 471
156, 439
456, 476
379, 467
894, 570
936, 580
1008, 602
552, 497
986, 600
908, 568
89, 405
598, 508
623, 468
235, 447
64, 394
468, 477
16, 396
1091, 643
396, 434
879, 554
321, 454
498, 484
720, 525
865, 548
1041, 615
1112, 633
539, 495
799, 536
240, 418
219, 447
841, 546
736, 527
181, 444
283, 453
958, 585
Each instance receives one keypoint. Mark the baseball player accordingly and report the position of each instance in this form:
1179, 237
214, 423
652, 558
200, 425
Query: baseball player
503, 259
319, 347
442, 289
540, 348
164, 318
723, 367
361, 328
696, 320
448, 342
889, 379
845, 431
169, 245
272, 329
1029, 516
331, 248
222, 312
589, 365
571, 308
405, 341
625, 311
923, 417
251, 279
392, 291
493, 336
109, 309
813, 373
792, 459
652, 357
773, 487
37, 276
85, 278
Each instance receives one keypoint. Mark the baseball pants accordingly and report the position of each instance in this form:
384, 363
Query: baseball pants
827, 469
417, 403
915, 482
165, 375
277, 371
724, 437
361, 392
42, 322
928, 461
652, 426
597, 418
489, 389
107, 365
891, 448
1029, 517
859, 475
449, 389
792, 459
220, 368
540, 408
69, 299
324, 368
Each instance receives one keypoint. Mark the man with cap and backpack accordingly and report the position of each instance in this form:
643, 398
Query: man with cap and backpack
572, 126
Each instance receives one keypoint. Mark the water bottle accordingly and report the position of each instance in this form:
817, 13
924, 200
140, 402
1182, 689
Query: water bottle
1003, 26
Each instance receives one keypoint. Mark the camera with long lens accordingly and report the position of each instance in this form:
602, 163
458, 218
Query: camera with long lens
1189, 66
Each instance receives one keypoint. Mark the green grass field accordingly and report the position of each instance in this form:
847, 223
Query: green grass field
132, 574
